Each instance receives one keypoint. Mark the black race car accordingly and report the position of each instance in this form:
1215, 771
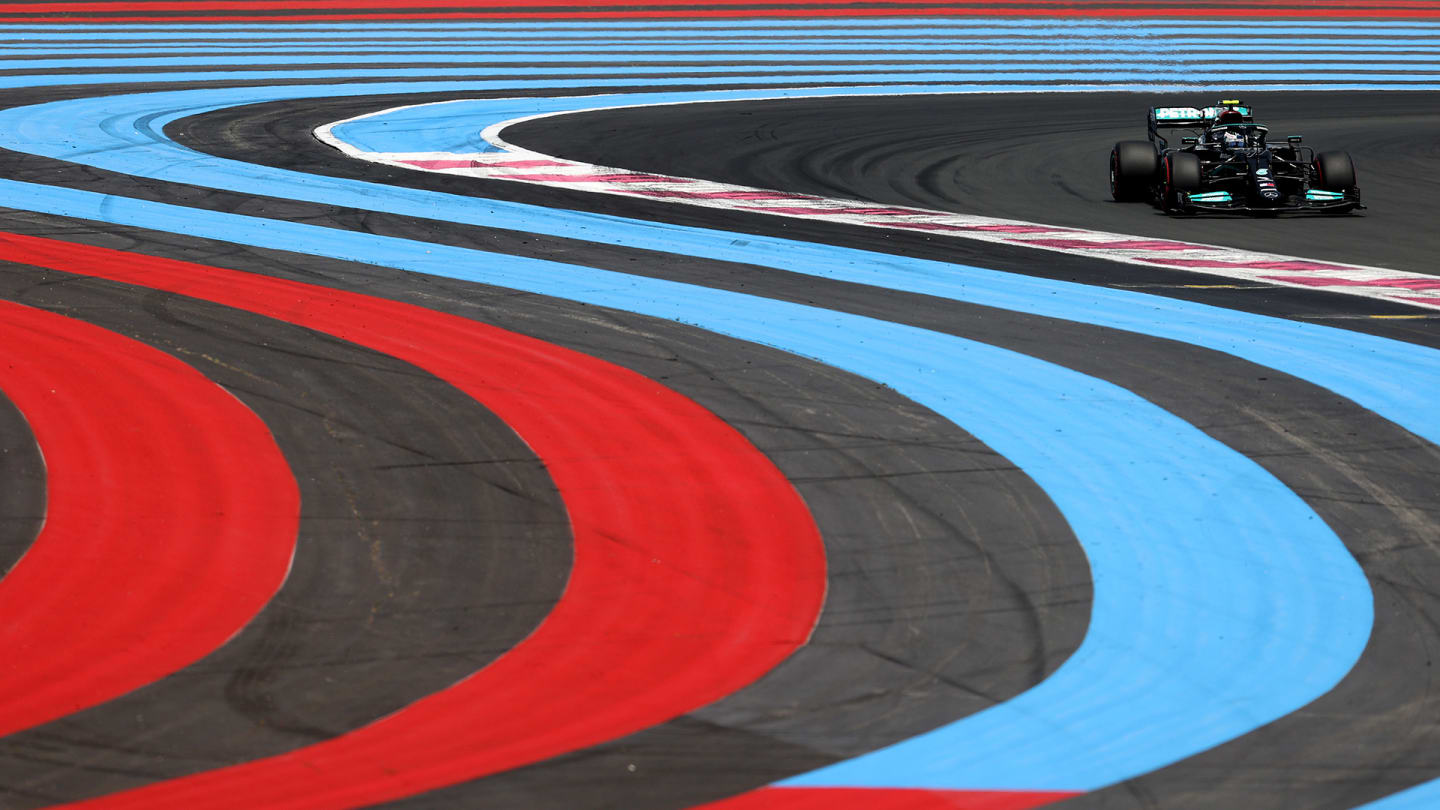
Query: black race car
1226, 165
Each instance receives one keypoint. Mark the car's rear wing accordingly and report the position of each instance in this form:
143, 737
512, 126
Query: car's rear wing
1189, 117
1173, 117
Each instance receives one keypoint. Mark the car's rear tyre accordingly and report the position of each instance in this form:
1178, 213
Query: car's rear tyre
1182, 173
1335, 171
1132, 169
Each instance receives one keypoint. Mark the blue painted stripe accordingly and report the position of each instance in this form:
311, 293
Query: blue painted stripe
1111, 64
1113, 67
948, 27
1107, 58
622, 44
1221, 600
1161, 80
1153, 26
1280, 47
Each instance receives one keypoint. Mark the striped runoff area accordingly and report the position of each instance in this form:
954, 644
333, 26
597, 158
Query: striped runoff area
339, 10
993, 54
1202, 561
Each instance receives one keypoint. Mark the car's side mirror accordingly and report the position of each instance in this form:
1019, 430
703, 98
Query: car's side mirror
1189, 141
1294, 140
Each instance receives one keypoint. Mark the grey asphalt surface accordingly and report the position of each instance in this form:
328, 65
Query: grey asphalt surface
22, 499
954, 582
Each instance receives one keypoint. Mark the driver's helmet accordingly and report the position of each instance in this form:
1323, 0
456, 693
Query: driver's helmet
1232, 139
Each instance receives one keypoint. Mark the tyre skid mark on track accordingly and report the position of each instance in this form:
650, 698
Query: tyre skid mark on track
1371, 282
666, 610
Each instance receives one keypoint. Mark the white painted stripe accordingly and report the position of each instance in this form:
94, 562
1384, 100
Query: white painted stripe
1268, 268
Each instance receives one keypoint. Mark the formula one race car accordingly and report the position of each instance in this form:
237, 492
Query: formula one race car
1226, 165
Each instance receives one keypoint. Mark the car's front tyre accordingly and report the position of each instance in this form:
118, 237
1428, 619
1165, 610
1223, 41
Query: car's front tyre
1335, 171
1182, 173
1132, 170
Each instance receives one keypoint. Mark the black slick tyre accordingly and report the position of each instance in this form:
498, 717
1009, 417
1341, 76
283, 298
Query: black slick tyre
1182, 173
1132, 169
1335, 171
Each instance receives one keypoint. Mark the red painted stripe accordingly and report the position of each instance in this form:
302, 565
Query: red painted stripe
943, 226
1118, 244
785, 798
721, 195
1138, 12
441, 164
855, 211
697, 566
1020, 229
1418, 284
1290, 265
470, 5
928, 226
170, 518
592, 178
522, 164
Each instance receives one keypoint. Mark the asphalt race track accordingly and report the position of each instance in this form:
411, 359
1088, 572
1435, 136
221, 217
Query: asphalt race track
1016, 155
329, 483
